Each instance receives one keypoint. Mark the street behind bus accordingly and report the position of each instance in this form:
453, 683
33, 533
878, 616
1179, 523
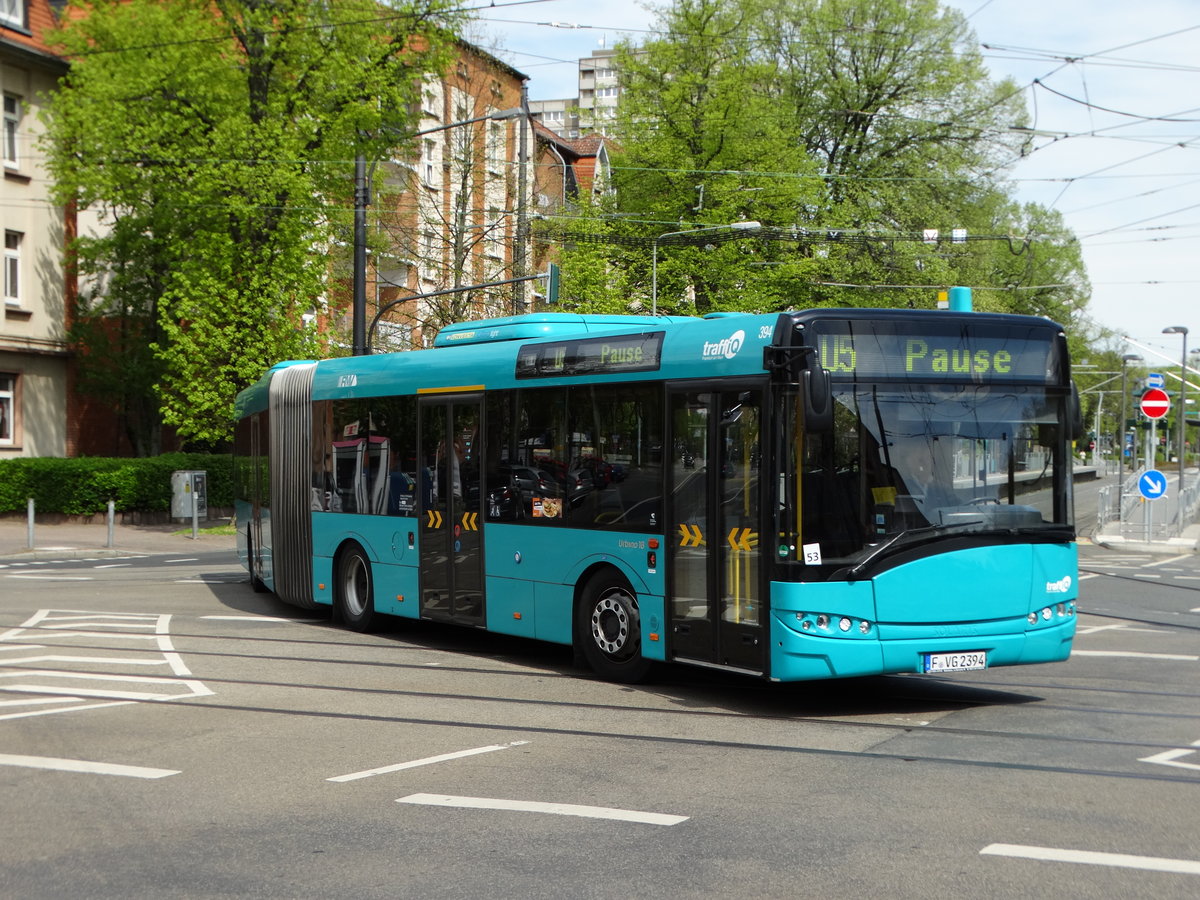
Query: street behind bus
166, 732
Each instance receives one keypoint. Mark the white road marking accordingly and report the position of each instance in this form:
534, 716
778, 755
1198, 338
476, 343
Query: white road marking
1092, 858
1086, 577
52, 577
188, 559
1169, 559
83, 765
1133, 654
1169, 757
62, 709
66, 686
1123, 628
102, 660
40, 701
256, 619
556, 809
114, 566
427, 761
194, 688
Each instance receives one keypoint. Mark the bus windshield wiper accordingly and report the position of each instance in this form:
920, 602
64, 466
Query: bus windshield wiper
857, 569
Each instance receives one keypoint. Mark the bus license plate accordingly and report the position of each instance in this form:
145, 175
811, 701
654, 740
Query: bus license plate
956, 662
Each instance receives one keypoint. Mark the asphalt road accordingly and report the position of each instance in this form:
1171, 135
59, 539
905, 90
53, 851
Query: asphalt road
166, 732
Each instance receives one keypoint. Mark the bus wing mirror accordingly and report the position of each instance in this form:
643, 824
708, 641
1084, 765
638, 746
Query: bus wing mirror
818, 400
1075, 413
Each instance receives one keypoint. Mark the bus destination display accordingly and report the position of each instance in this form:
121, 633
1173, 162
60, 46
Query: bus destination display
987, 355
591, 356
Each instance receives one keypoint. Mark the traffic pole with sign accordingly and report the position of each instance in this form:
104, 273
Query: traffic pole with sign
1155, 404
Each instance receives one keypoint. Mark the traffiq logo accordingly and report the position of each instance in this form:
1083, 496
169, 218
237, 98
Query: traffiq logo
727, 348
1059, 587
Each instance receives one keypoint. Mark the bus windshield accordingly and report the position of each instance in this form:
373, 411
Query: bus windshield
907, 462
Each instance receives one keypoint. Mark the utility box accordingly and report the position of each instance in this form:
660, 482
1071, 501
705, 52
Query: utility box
189, 491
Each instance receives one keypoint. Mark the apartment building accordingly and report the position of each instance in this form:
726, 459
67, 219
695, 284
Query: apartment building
595, 105
455, 213
33, 349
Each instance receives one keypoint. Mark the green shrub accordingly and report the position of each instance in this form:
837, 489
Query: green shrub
84, 486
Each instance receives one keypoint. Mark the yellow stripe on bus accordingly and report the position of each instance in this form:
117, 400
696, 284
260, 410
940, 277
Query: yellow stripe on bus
451, 390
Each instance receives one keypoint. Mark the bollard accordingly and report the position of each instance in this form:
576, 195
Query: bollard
111, 512
195, 515
29, 512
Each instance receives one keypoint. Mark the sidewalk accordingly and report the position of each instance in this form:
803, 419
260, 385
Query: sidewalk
68, 540
1113, 540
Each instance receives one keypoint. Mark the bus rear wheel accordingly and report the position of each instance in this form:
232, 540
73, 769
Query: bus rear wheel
609, 631
355, 589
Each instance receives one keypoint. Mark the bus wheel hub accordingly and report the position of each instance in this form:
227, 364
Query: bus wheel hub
611, 625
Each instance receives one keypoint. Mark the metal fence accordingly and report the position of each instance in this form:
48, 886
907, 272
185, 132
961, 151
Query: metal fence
1148, 520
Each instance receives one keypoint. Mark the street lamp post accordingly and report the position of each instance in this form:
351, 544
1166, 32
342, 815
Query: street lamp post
1125, 361
732, 226
361, 198
1182, 414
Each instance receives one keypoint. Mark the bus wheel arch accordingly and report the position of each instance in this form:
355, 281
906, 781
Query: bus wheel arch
354, 587
608, 626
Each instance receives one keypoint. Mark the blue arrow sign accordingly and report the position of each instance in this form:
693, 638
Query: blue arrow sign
1155, 379
1152, 484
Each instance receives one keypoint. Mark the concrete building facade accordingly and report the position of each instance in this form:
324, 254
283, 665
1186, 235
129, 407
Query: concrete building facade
33, 348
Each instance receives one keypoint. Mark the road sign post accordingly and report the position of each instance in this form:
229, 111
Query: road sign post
1152, 486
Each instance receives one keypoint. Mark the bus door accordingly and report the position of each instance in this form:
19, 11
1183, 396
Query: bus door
716, 609
451, 552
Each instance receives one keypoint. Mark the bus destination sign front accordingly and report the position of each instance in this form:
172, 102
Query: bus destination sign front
591, 356
881, 350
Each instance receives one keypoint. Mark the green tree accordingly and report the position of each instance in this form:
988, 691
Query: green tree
213, 142
848, 128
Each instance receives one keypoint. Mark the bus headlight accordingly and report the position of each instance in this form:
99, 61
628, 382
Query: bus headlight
845, 624
823, 621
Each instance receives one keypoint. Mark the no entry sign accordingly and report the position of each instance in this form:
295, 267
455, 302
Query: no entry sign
1155, 403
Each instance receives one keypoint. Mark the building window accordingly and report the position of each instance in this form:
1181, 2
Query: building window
431, 254
606, 92
430, 162
495, 145
12, 124
8, 393
12, 268
12, 12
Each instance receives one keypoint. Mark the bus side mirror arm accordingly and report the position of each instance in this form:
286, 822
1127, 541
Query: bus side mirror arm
1075, 413
802, 366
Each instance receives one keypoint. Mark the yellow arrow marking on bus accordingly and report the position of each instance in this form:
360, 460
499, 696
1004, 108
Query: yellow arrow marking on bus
690, 536
435, 519
741, 542
470, 521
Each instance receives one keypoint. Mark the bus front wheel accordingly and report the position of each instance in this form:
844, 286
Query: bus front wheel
355, 593
608, 628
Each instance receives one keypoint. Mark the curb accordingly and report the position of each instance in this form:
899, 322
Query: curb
42, 553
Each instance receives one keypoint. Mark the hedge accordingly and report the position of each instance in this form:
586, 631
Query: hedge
83, 486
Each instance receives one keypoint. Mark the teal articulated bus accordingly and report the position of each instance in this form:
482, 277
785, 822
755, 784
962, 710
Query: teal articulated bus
798, 495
